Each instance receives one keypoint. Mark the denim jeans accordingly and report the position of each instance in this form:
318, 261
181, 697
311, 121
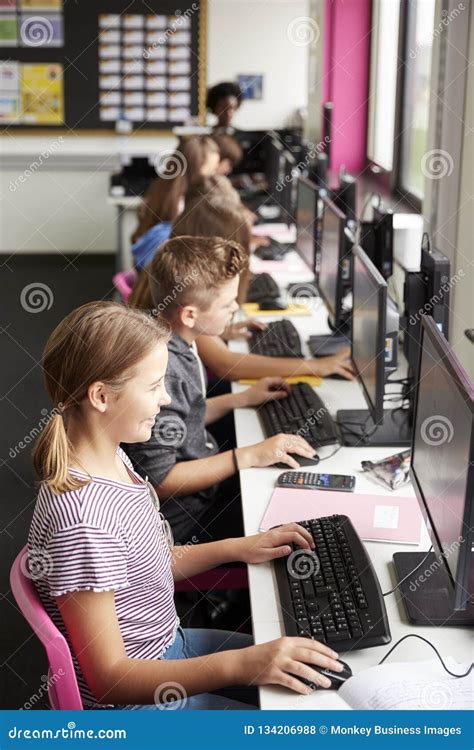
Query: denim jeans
190, 642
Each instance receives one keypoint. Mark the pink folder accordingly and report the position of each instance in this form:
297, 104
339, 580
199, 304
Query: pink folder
375, 517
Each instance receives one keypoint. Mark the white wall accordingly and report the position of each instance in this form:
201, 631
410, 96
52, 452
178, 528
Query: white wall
254, 37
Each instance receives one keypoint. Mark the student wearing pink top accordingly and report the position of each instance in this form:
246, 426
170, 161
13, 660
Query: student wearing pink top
104, 551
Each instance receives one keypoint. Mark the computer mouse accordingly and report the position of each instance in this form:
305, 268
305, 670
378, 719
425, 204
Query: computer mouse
301, 460
337, 678
268, 303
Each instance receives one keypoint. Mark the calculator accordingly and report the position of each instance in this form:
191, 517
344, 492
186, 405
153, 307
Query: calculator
307, 480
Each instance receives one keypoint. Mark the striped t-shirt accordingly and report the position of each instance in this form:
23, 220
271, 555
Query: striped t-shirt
106, 536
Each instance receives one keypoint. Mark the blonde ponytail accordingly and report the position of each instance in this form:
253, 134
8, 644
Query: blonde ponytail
98, 341
52, 457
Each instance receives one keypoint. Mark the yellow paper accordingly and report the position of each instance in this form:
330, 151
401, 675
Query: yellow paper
313, 380
252, 309
42, 93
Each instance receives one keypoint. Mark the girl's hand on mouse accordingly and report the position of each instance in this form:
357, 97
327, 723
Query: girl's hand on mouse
274, 450
272, 544
281, 662
337, 364
243, 329
266, 389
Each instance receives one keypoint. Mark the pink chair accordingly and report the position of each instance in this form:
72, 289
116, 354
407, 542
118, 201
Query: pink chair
123, 281
63, 693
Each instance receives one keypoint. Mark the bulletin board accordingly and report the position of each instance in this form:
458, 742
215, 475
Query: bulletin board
84, 65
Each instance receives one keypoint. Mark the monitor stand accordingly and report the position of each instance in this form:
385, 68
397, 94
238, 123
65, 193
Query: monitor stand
331, 343
358, 430
427, 594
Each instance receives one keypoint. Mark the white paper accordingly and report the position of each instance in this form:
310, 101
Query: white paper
111, 98
155, 67
134, 113
179, 114
179, 53
386, 517
156, 22
135, 36
178, 67
180, 37
134, 99
156, 98
133, 82
109, 113
179, 83
109, 21
109, 50
156, 83
180, 98
109, 66
132, 51
410, 686
109, 36
158, 114
133, 21
133, 67
109, 82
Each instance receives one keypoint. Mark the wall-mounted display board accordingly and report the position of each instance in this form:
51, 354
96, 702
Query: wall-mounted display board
91, 63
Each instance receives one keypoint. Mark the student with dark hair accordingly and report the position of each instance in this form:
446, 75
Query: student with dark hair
223, 100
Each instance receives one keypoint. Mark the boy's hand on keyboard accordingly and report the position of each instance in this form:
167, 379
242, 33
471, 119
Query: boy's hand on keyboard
338, 364
274, 450
266, 389
272, 544
276, 663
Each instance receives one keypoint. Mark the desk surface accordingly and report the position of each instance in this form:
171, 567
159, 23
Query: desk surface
257, 486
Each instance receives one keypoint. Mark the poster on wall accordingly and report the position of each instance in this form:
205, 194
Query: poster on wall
9, 91
42, 96
251, 85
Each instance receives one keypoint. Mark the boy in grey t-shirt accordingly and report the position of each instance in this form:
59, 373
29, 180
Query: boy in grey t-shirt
194, 284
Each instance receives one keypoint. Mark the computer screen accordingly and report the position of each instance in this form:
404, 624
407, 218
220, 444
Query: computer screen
368, 330
442, 453
274, 166
306, 218
289, 188
332, 236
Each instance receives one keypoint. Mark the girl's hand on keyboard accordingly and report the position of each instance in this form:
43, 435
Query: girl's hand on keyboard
266, 389
281, 662
274, 450
243, 329
338, 364
272, 544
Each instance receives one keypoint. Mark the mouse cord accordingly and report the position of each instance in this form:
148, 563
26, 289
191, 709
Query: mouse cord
409, 574
425, 640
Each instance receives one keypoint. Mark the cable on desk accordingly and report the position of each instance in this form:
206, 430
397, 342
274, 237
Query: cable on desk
425, 640
409, 574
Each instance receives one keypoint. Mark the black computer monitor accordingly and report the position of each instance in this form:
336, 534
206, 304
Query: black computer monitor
306, 220
425, 293
334, 265
289, 189
375, 325
442, 472
254, 147
274, 167
376, 237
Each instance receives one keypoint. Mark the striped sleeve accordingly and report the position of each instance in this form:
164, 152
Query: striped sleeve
85, 558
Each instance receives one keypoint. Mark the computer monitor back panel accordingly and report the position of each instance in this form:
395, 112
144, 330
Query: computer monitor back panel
368, 330
443, 456
335, 264
306, 221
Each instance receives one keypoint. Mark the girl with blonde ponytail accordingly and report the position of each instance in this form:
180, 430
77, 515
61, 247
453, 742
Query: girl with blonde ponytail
104, 560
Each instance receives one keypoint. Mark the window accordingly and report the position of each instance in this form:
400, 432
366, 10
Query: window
416, 94
383, 82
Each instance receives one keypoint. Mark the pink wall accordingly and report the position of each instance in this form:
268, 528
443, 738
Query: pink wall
346, 78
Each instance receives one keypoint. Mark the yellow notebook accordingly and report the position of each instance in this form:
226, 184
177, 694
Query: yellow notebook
313, 380
253, 311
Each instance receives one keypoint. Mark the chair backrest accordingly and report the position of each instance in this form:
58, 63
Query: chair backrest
123, 281
63, 691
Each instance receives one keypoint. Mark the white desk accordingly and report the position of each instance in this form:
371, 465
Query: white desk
257, 487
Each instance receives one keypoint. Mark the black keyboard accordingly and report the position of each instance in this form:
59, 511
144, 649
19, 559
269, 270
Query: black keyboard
279, 339
262, 286
332, 595
303, 413
274, 251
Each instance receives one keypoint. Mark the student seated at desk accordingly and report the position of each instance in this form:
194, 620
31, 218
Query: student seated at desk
211, 213
164, 200
110, 564
223, 100
181, 458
